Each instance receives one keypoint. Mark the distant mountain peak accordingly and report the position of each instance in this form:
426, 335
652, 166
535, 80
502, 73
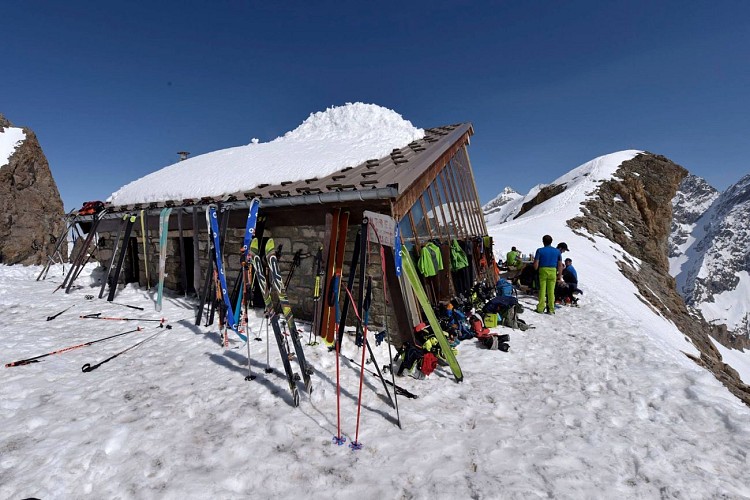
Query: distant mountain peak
503, 205
710, 251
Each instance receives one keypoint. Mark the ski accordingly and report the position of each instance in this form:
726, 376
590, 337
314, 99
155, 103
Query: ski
81, 259
344, 310
326, 308
416, 285
274, 320
144, 240
230, 320
316, 296
58, 243
181, 241
205, 292
163, 230
244, 302
113, 278
116, 245
286, 310
332, 293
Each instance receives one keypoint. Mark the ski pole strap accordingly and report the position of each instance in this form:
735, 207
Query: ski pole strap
316, 288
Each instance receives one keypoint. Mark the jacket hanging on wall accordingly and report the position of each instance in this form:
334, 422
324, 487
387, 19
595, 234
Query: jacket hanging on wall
458, 257
430, 260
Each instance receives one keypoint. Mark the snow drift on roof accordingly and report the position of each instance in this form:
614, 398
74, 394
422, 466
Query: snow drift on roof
10, 139
328, 141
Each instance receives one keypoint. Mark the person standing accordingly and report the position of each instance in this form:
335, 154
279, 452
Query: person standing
548, 263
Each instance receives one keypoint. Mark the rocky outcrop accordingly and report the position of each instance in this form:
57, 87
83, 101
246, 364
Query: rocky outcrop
634, 209
694, 196
543, 195
31, 210
722, 252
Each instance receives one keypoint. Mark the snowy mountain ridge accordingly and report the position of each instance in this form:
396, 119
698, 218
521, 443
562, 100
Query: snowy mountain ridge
711, 261
615, 211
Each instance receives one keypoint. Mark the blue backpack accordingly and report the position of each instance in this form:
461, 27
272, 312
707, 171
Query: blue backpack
504, 288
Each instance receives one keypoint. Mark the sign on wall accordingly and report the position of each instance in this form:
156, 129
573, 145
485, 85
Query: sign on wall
385, 226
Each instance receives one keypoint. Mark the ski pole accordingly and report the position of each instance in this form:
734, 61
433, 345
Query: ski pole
50, 318
88, 367
99, 316
36, 358
91, 297
385, 324
126, 305
398, 389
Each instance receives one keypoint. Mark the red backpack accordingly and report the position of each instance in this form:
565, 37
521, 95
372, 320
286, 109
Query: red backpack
91, 207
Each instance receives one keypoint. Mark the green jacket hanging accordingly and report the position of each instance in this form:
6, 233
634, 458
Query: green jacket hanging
430, 260
458, 257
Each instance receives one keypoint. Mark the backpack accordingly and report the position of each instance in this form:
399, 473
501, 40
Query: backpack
91, 207
490, 320
478, 327
499, 304
429, 363
410, 356
511, 319
504, 288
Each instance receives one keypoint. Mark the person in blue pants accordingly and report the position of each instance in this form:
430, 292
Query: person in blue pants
548, 262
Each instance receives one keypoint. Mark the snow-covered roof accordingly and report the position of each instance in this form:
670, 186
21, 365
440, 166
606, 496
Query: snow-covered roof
10, 139
327, 142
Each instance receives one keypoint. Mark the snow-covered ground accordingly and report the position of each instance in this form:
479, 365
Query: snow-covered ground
587, 404
10, 139
595, 402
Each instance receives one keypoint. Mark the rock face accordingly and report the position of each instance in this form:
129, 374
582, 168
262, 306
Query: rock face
31, 211
634, 209
712, 268
694, 197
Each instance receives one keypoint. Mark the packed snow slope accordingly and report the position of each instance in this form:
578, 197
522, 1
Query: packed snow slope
10, 139
328, 141
594, 402
585, 405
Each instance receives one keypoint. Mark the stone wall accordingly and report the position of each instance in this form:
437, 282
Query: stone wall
290, 238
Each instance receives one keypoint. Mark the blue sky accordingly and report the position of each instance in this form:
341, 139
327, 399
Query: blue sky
114, 90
